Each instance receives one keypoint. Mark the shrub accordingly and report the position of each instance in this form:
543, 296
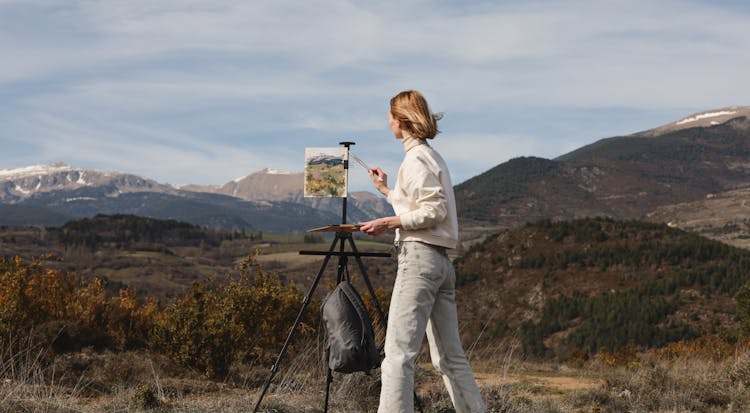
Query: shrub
213, 325
208, 328
69, 312
711, 347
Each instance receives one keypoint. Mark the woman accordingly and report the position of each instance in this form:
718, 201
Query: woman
423, 298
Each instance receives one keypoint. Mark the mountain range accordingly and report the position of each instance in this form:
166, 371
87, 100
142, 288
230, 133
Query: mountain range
633, 176
266, 200
620, 177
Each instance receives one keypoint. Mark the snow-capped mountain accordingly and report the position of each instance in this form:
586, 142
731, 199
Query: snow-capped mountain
621, 177
17, 185
275, 185
268, 200
701, 120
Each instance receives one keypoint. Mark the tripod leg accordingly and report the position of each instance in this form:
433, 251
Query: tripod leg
361, 264
305, 302
329, 380
343, 269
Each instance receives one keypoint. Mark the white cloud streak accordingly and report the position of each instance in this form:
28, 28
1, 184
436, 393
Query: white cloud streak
172, 157
210, 85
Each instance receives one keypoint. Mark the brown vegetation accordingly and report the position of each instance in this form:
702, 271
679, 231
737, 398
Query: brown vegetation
139, 381
208, 329
71, 343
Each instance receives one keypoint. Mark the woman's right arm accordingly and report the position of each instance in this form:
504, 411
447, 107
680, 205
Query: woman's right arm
380, 180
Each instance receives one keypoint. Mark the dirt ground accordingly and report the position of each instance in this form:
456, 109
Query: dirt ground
554, 383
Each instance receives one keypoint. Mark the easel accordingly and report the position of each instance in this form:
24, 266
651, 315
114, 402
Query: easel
343, 235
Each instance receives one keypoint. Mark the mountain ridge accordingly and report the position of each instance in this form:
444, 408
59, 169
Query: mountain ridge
265, 200
700, 119
621, 177
19, 184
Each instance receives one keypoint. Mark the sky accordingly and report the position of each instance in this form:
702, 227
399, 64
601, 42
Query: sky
203, 92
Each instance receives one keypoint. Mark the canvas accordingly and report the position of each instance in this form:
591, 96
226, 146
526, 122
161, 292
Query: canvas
325, 175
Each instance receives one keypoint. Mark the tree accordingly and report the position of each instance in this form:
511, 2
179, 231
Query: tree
742, 298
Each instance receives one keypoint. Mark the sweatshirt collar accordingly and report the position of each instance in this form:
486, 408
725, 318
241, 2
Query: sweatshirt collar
410, 142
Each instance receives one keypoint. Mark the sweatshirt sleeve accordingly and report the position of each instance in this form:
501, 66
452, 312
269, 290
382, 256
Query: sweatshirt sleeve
429, 196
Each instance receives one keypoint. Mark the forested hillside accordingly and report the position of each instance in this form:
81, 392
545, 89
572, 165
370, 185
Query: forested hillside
553, 288
161, 257
622, 177
563, 288
127, 231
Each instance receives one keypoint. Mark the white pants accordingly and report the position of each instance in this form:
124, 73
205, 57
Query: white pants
423, 299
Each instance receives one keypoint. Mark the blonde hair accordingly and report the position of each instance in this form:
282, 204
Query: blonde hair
411, 110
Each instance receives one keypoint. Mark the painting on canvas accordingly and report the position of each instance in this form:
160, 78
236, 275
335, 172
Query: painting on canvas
325, 175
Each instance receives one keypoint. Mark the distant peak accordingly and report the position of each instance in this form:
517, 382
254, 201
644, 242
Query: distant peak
271, 171
701, 120
264, 171
35, 170
706, 115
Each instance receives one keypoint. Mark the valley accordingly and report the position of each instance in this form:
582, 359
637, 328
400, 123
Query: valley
163, 258
589, 282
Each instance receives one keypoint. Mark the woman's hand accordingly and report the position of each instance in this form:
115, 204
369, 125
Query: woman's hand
380, 225
380, 180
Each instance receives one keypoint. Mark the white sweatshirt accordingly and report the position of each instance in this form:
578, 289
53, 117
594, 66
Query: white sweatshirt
423, 197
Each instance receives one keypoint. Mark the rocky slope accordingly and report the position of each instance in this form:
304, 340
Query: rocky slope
266, 200
622, 177
18, 185
275, 185
724, 216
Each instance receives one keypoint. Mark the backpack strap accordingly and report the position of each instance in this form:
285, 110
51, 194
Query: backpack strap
356, 301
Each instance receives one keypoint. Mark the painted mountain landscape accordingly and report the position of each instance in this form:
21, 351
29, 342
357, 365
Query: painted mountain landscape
612, 278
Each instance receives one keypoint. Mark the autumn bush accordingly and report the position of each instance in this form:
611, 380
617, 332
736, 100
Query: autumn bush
67, 311
214, 325
711, 347
210, 327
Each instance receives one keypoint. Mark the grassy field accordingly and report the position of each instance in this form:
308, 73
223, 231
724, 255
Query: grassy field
708, 374
142, 382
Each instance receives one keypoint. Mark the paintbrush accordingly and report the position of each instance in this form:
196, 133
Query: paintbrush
364, 165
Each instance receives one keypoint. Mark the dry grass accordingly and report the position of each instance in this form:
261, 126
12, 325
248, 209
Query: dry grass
26, 386
88, 381
686, 384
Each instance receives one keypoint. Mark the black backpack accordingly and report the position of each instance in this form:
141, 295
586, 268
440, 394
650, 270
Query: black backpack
350, 338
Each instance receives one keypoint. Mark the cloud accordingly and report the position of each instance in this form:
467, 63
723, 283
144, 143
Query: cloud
567, 52
195, 91
167, 156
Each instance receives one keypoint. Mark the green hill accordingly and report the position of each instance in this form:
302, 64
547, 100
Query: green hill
622, 177
524, 189
562, 288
